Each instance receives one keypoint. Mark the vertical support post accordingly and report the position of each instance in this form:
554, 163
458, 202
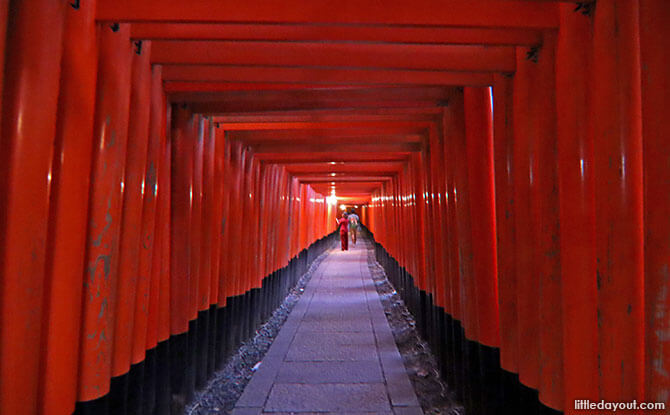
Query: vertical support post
545, 220
162, 260
618, 199
503, 144
148, 293
68, 208
654, 15
181, 196
577, 209
479, 154
527, 284
29, 112
106, 198
133, 198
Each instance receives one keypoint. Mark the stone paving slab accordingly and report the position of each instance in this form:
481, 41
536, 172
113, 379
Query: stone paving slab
335, 353
328, 397
331, 372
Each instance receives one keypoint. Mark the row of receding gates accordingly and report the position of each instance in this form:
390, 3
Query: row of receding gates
535, 228
538, 228
154, 316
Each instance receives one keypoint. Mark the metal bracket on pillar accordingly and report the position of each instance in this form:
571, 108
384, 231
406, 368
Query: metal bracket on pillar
533, 53
115, 27
76, 5
586, 7
138, 47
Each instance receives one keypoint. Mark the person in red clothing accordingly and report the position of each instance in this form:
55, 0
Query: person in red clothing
343, 223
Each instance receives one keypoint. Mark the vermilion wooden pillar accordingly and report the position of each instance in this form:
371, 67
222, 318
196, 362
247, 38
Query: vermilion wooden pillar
438, 228
527, 282
146, 325
577, 210
162, 262
180, 210
545, 219
106, 198
68, 218
479, 154
133, 199
238, 161
467, 285
196, 216
450, 206
618, 199
184, 137
207, 216
29, 108
654, 32
503, 145
225, 275
218, 224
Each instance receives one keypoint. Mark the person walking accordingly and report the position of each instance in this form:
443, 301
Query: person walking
354, 222
343, 223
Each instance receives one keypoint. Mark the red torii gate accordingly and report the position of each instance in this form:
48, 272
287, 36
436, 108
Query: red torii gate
540, 231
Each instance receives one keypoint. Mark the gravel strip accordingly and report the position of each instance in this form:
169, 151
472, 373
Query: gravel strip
433, 394
227, 385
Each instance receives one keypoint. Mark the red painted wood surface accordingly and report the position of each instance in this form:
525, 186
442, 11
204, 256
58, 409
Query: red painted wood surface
576, 198
479, 150
617, 118
32, 49
655, 64
144, 183
130, 287
106, 197
503, 153
67, 226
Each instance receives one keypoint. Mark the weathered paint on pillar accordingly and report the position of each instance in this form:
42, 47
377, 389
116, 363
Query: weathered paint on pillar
149, 293
68, 216
133, 200
655, 62
106, 197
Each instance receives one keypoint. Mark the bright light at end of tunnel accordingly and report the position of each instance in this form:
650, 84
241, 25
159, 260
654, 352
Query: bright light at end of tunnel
342, 207
331, 200
333, 174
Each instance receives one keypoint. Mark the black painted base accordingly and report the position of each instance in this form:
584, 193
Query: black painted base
471, 369
165, 382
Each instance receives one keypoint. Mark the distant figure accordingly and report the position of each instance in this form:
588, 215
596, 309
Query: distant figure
353, 225
343, 223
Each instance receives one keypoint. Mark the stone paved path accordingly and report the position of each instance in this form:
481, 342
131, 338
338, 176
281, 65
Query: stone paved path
335, 353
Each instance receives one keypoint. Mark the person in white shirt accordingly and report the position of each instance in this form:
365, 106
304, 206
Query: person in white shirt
353, 225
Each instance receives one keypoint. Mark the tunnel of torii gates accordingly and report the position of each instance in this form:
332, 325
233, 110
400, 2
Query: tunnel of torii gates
169, 169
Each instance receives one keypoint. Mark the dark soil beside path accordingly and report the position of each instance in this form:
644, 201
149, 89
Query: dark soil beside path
227, 385
432, 392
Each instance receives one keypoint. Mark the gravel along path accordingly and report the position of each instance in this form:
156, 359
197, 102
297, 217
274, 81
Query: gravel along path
227, 385
433, 394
